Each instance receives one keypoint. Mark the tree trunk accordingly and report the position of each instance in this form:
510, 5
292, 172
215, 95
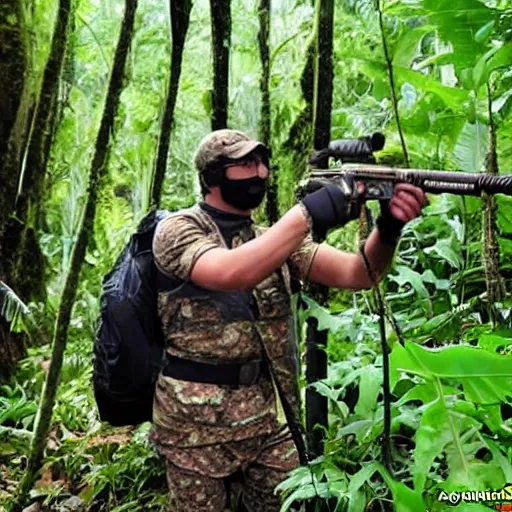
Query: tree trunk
16, 110
28, 269
221, 42
301, 134
316, 357
324, 74
491, 254
180, 18
299, 143
97, 174
271, 206
13, 66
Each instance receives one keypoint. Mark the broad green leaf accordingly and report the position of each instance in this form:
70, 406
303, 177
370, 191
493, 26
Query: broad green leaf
500, 59
332, 394
484, 33
451, 96
500, 459
362, 476
472, 473
504, 212
305, 492
404, 498
444, 249
486, 377
357, 501
424, 392
496, 58
438, 427
297, 478
408, 45
472, 147
458, 21
437, 321
326, 321
356, 427
492, 342
369, 388
480, 71
407, 275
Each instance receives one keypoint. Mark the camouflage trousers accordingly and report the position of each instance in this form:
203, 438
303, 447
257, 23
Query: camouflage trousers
197, 480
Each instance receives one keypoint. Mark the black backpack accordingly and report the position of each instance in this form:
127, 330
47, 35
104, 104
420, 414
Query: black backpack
129, 348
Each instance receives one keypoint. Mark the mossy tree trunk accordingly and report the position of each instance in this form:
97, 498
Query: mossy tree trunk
85, 232
316, 342
271, 206
323, 84
221, 42
296, 149
14, 120
490, 249
180, 18
28, 269
13, 66
300, 135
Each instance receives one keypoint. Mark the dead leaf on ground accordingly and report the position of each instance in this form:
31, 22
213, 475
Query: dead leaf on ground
102, 440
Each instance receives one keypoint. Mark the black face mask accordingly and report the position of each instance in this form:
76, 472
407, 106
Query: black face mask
243, 194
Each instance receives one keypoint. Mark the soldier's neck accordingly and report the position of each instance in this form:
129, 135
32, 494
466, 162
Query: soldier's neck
215, 200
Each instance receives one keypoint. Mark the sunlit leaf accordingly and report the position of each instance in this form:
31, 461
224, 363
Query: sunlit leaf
404, 498
486, 377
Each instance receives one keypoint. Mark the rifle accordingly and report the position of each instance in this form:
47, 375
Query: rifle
379, 179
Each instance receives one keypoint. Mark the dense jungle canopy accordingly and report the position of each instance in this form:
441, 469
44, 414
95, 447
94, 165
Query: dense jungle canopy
102, 105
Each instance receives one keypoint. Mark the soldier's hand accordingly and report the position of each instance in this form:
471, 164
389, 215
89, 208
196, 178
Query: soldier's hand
405, 205
332, 205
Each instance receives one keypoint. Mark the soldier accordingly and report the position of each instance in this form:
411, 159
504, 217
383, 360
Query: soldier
224, 304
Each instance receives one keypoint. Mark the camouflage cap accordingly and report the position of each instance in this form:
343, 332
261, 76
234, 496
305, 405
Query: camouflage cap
225, 145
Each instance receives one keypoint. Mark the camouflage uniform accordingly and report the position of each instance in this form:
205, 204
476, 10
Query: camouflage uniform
210, 433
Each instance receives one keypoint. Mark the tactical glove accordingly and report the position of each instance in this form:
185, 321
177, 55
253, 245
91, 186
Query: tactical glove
331, 205
390, 228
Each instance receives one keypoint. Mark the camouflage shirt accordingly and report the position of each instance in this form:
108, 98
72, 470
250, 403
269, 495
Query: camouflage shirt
221, 327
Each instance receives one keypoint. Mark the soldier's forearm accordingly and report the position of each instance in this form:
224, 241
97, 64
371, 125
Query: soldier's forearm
379, 255
255, 260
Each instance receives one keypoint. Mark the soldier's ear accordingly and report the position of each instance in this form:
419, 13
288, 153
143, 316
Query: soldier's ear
213, 174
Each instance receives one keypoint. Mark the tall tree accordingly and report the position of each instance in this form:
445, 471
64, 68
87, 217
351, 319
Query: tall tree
85, 232
28, 268
180, 18
221, 42
316, 342
300, 135
324, 74
16, 110
271, 205
13, 65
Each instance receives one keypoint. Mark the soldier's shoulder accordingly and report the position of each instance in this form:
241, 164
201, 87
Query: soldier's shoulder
181, 224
